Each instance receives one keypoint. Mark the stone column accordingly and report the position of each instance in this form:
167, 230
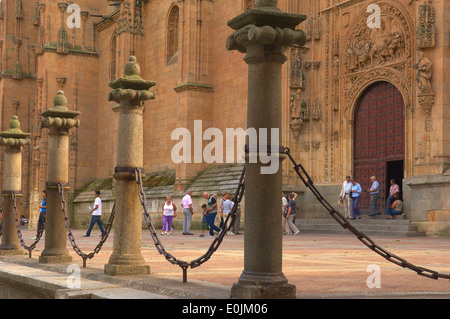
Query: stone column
59, 120
14, 140
130, 91
263, 33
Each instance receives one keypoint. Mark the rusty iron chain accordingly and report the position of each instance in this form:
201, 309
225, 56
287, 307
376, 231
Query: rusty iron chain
306, 179
214, 245
19, 232
76, 248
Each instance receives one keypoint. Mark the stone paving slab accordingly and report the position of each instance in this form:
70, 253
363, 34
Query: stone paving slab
321, 266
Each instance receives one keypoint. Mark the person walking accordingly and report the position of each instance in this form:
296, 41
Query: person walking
237, 221
42, 213
227, 207
96, 215
188, 213
355, 191
345, 197
284, 203
224, 197
212, 213
374, 191
168, 211
204, 225
291, 214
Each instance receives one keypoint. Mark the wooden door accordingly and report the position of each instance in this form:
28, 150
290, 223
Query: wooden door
379, 137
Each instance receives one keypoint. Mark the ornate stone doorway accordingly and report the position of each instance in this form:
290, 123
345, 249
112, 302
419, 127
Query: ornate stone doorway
379, 139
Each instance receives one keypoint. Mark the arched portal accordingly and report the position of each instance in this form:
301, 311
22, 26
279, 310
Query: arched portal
379, 139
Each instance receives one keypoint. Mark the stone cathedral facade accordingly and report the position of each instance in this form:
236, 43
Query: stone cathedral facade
367, 95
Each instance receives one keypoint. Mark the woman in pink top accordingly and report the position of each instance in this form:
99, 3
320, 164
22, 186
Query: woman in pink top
394, 192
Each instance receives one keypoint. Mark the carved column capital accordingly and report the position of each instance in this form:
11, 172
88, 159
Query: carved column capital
266, 42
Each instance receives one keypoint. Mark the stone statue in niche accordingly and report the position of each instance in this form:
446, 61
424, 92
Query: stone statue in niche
295, 108
424, 73
296, 125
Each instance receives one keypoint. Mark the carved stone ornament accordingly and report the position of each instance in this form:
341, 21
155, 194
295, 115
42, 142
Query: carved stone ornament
375, 54
369, 47
426, 30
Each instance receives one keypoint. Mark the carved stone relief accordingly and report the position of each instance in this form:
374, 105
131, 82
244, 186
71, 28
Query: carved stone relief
300, 108
426, 30
378, 54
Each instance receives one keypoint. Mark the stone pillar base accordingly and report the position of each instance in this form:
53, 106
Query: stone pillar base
263, 286
126, 270
54, 259
4, 251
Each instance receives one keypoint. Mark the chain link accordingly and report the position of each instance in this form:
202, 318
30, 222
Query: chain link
214, 245
76, 248
19, 232
306, 179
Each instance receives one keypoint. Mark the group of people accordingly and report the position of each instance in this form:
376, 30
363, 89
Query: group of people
209, 214
289, 212
350, 197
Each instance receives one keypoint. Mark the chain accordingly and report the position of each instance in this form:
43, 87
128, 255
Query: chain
19, 232
214, 245
306, 179
76, 248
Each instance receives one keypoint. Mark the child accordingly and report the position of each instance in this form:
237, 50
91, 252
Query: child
204, 225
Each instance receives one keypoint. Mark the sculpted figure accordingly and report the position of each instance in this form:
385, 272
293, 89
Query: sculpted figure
424, 73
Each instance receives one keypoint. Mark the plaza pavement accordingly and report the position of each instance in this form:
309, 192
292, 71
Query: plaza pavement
320, 266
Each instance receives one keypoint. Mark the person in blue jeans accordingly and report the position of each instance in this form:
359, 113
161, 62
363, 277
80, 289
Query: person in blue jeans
356, 191
212, 213
96, 215
42, 213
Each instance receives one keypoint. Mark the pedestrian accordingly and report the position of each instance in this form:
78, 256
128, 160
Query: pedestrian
237, 220
355, 191
394, 193
228, 205
204, 225
291, 214
168, 213
219, 218
395, 209
212, 213
374, 191
42, 213
188, 213
96, 215
284, 203
345, 197
221, 208
23, 220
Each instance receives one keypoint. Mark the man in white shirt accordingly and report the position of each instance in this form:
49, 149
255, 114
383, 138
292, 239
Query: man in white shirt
374, 190
96, 215
188, 212
345, 197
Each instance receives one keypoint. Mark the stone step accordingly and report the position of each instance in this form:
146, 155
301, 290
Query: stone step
217, 179
390, 228
330, 221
